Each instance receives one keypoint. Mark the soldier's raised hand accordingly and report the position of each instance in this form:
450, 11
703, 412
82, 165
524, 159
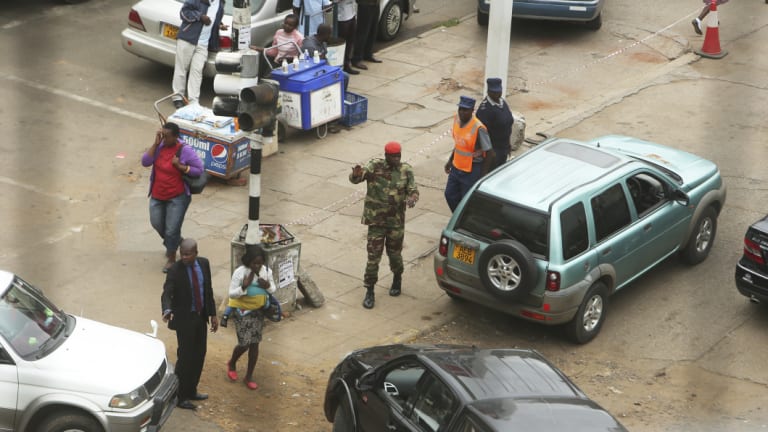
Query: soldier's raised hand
357, 171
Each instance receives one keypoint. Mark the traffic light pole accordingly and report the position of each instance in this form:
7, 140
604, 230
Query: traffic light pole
253, 235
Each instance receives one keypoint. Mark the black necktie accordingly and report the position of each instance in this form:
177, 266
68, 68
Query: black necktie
196, 290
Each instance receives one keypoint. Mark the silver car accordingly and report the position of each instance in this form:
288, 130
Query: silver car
154, 24
61, 372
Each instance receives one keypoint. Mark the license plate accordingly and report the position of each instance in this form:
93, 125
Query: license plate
170, 31
464, 254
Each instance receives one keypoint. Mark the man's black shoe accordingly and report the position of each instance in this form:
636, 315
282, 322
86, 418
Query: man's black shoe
199, 397
369, 300
359, 65
397, 281
372, 59
185, 404
351, 71
178, 104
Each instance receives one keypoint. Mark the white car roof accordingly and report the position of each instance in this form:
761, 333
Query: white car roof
5, 280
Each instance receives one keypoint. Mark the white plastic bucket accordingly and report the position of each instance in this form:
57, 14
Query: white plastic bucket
335, 54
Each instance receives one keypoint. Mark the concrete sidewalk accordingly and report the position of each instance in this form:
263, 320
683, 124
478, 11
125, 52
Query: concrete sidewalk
412, 98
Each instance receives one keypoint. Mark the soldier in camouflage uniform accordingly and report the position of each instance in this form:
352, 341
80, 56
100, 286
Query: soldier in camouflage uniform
391, 187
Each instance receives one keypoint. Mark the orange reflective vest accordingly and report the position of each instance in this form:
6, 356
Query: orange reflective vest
465, 139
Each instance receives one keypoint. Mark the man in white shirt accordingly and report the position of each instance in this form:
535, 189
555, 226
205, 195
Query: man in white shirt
197, 35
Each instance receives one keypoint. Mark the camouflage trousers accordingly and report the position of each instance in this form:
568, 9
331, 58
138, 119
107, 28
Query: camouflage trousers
378, 238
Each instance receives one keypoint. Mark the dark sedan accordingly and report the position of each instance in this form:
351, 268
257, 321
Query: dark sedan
457, 389
588, 12
751, 270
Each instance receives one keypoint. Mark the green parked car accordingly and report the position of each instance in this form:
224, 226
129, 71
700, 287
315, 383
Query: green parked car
550, 235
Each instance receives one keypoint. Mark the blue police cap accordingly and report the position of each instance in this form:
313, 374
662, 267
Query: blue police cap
466, 102
494, 84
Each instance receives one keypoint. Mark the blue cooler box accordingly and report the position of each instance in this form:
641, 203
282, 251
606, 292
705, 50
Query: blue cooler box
224, 151
310, 96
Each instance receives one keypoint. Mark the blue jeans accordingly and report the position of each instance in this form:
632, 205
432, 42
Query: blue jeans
166, 218
459, 183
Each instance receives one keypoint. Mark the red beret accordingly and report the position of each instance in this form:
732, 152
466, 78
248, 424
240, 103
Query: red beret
392, 147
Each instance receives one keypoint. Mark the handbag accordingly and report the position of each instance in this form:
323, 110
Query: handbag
196, 184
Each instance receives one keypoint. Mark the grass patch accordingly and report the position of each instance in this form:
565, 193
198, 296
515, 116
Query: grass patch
453, 22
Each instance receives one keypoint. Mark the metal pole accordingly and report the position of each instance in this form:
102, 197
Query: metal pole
497, 48
253, 235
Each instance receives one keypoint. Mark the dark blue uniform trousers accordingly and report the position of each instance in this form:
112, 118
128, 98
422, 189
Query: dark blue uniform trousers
459, 183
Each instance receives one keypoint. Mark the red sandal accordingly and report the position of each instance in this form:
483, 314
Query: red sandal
232, 374
251, 385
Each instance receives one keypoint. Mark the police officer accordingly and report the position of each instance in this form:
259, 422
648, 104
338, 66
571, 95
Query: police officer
390, 187
495, 114
472, 156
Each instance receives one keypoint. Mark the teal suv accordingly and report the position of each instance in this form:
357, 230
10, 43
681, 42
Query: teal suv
550, 235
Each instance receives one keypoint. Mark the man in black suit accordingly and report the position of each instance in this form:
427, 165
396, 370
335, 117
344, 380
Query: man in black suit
188, 306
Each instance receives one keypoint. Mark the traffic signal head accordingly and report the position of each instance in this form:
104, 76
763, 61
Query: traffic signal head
258, 106
226, 106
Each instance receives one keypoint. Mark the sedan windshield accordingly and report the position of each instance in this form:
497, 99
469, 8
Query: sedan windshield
28, 321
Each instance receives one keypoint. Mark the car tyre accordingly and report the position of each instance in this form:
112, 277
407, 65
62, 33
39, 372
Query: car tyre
68, 421
507, 269
702, 237
595, 23
482, 19
391, 21
342, 419
590, 315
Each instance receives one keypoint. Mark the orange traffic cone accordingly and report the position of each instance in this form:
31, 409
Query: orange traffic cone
711, 48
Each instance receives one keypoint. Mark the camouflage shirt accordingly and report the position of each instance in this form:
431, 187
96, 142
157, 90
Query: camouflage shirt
387, 192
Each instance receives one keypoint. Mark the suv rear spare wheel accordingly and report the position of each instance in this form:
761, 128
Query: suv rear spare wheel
507, 269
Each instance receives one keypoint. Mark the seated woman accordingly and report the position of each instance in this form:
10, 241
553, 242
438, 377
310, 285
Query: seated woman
285, 43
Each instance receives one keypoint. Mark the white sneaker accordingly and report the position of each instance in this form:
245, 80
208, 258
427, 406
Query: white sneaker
696, 25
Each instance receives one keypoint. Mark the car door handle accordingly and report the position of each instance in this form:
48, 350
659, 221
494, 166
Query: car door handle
607, 251
647, 227
391, 426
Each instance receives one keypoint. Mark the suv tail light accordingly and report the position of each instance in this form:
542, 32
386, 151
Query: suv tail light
225, 42
553, 281
752, 251
134, 20
442, 249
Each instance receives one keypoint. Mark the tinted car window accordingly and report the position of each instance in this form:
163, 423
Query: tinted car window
467, 424
493, 219
434, 406
647, 192
573, 225
400, 382
611, 211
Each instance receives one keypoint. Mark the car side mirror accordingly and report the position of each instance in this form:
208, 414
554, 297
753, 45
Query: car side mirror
365, 382
681, 197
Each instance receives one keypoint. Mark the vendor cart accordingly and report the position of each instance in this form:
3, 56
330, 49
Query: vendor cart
223, 148
311, 93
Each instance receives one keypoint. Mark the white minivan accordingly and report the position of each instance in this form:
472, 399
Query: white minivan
60, 372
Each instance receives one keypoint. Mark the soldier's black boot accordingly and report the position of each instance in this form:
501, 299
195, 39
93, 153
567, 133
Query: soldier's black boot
397, 281
369, 300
